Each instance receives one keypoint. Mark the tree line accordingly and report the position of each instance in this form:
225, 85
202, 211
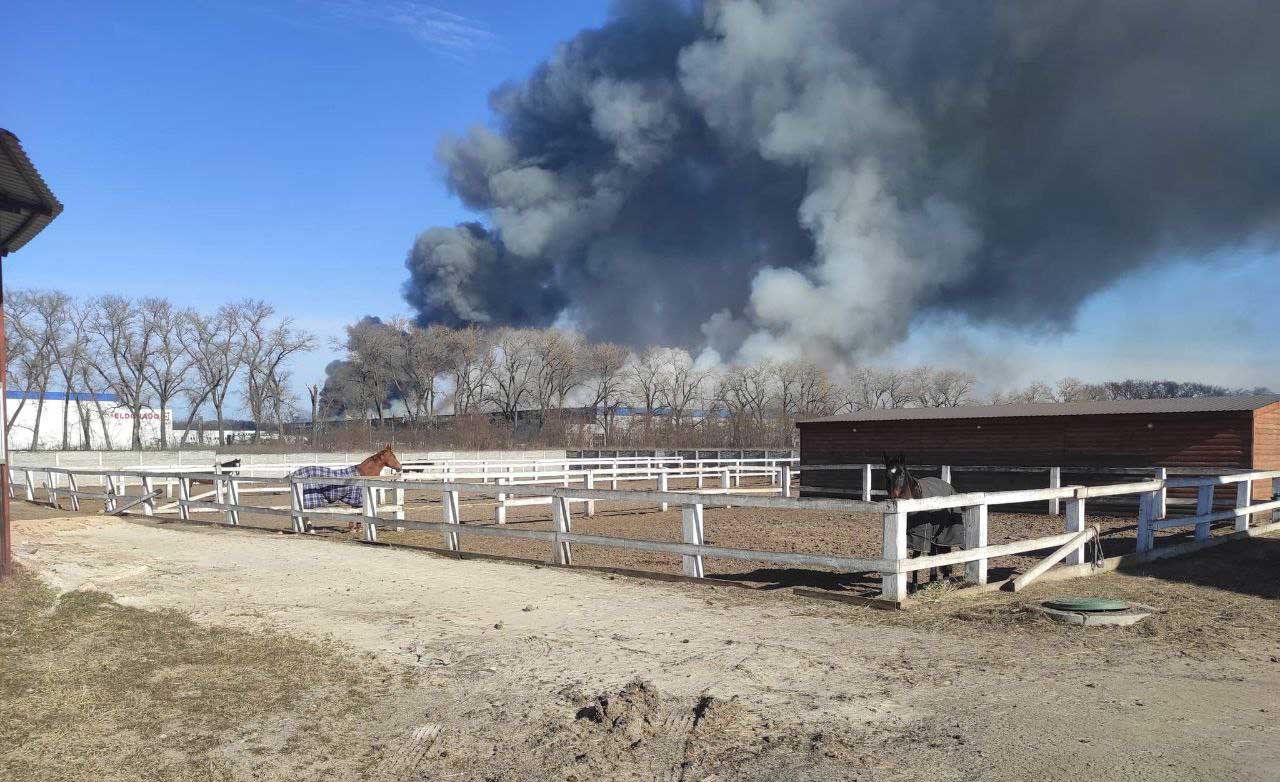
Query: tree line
149, 352
433, 381
398, 370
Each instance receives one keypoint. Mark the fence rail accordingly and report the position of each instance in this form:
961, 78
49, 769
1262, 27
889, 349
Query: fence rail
560, 488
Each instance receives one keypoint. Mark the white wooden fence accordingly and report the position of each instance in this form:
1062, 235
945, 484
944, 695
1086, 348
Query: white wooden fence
1248, 517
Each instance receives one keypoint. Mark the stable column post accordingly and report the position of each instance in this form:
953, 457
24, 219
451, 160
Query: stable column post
1075, 523
866, 483
893, 584
1243, 500
1204, 506
449, 501
975, 537
1055, 482
562, 552
691, 517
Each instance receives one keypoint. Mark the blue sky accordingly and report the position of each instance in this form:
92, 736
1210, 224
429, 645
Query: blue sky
283, 149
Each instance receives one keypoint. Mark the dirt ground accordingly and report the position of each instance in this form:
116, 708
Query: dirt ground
505, 671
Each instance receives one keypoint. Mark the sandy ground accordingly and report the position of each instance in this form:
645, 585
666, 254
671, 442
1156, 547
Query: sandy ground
514, 671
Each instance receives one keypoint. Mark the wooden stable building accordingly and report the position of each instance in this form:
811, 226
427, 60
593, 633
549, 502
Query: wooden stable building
1089, 441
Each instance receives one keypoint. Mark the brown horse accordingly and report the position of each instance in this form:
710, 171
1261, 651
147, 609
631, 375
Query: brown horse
372, 468
928, 532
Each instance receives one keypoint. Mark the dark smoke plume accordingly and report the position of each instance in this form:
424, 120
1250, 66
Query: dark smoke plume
776, 175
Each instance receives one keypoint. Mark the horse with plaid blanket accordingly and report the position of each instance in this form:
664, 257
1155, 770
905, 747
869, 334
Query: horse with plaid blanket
317, 494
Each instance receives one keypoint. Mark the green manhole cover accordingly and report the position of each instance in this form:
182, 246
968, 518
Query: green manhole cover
1086, 604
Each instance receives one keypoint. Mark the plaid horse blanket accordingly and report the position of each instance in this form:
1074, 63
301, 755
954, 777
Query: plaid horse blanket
318, 495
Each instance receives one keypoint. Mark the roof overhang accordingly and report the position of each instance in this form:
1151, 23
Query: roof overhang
26, 203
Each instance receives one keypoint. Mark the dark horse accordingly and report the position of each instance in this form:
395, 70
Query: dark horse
931, 531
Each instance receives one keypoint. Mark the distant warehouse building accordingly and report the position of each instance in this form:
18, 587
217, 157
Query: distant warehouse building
1201, 434
89, 421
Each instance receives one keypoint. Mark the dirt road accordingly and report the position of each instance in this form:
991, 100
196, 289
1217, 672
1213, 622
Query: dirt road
505, 664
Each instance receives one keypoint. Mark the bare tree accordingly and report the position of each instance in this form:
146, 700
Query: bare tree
943, 387
469, 361
70, 354
605, 366
267, 349
124, 340
511, 374
168, 362
681, 385
426, 357
644, 381
215, 346
556, 366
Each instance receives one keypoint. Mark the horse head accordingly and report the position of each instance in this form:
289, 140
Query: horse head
898, 482
389, 458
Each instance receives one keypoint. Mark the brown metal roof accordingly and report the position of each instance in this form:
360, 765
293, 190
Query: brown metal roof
26, 203
1199, 404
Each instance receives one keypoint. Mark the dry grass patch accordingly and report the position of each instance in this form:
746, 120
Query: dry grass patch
90, 689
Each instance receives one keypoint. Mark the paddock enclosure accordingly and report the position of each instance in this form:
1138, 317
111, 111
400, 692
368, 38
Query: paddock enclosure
731, 519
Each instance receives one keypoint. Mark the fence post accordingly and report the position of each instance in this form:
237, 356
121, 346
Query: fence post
149, 504
786, 480
233, 498
220, 495
449, 501
184, 496
1146, 506
500, 512
1162, 499
1244, 490
866, 482
51, 486
589, 482
399, 503
975, 536
945, 473
1204, 506
1055, 482
614, 484
562, 553
31, 486
73, 486
369, 508
1075, 523
691, 516
662, 486
893, 584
